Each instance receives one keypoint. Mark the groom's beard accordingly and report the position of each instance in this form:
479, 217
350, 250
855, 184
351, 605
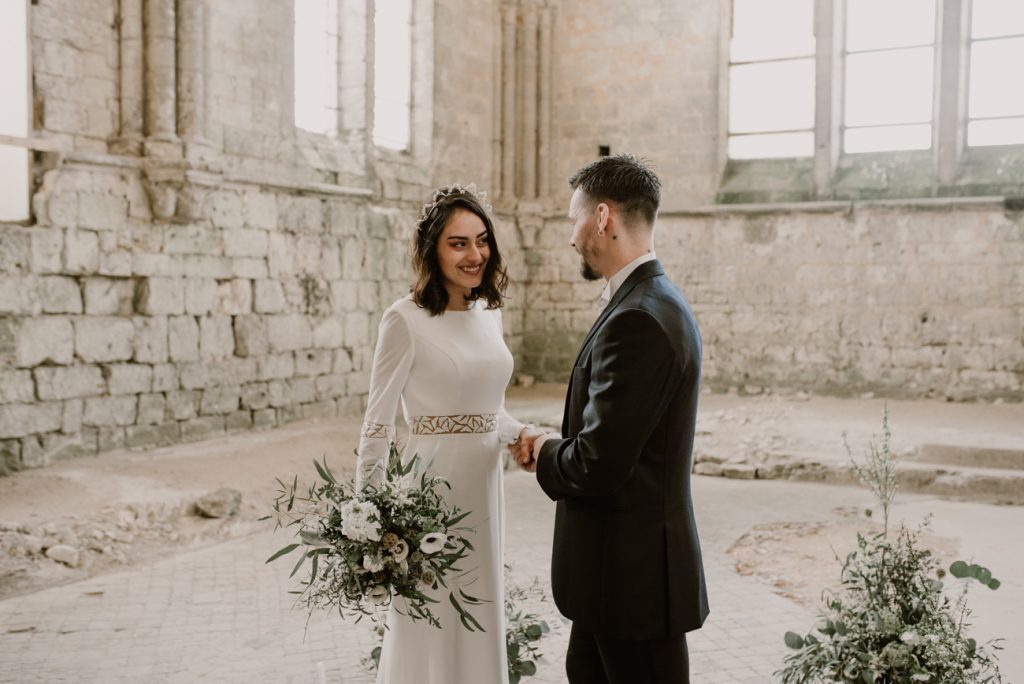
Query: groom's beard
587, 272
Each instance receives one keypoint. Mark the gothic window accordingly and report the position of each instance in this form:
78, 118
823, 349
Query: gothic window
771, 79
392, 74
316, 66
995, 105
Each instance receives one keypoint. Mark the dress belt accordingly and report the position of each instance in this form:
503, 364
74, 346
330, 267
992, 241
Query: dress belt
465, 424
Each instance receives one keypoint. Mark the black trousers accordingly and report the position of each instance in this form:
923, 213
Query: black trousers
593, 659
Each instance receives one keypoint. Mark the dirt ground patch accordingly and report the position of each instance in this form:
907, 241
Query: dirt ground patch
802, 559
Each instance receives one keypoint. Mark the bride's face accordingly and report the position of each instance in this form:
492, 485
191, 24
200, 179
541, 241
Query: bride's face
462, 251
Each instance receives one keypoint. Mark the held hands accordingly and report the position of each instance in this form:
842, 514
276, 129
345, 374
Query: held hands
522, 449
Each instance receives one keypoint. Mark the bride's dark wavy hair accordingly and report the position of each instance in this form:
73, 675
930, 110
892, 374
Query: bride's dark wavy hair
428, 289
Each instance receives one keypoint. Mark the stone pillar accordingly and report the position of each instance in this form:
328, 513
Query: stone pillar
191, 70
508, 100
544, 107
528, 105
161, 91
132, 82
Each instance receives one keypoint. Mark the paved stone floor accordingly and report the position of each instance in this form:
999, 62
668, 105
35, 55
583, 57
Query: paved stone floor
220, 614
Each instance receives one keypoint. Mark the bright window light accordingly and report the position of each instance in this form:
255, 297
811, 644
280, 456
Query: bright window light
316, 66
771, 79
392, 74
14, 114
890, 74
993, 18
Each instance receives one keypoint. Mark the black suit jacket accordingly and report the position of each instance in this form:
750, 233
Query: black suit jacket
627, 561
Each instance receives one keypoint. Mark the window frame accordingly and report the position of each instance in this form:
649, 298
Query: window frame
948, 169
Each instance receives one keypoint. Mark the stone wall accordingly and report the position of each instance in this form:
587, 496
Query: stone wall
215, 278
902, 300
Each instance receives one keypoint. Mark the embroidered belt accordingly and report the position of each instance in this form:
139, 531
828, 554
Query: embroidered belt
454, 425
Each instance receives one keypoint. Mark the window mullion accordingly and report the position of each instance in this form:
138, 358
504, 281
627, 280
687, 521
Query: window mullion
951, 63
828, 92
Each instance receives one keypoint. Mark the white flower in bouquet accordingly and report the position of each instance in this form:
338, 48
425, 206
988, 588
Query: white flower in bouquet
379, 595
373, 563
360, 521
432, 542
392, 537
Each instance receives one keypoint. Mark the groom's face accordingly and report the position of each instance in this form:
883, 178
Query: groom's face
583, 218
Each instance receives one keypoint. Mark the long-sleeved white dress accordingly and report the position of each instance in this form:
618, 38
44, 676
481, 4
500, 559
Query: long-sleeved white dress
450, 373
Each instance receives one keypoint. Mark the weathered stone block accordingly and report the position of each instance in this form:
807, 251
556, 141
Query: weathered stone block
19, 420
111, 438
183, 338
328, 333
192, 238
359, 382
345, 295
200, 295
251, 336
357, 329
249, 268
101, 339
70, 382
261, 211
230, 372
160, 296
102, 212
47, 250
330, 387
81, 252
265, 418
149, 436
10, 455
319, 409
255, 395
150, 339
226, 210
234, 296
313, 362
59, 295
219, 401
47, 339
281, 256
268, 296
246, 243
275, 367
128, 378
16, 387
216, 337
289, 332
183, 404
165, 377
202, 428
109, 411
108, 296
72, 420
19, 295
239, 421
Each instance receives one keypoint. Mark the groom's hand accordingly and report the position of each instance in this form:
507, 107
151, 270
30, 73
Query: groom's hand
524, 449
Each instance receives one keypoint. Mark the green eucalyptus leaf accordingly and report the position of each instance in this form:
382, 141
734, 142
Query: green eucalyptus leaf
994, 584
959, 569
794, 640
984, 575
534, 632
282, 552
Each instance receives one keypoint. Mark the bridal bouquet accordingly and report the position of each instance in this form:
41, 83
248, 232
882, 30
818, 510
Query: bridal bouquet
365, 548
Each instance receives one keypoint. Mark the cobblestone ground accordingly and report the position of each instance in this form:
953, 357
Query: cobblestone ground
219, 614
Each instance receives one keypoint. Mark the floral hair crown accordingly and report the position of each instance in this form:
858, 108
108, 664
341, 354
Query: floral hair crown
454, 190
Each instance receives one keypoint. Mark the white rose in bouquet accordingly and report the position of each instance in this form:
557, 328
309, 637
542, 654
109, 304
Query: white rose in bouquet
360, 521
373, 563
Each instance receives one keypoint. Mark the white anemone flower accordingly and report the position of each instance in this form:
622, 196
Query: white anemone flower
400, 551
432, 542
379, 595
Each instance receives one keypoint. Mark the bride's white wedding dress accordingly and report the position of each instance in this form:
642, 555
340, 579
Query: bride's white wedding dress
450, 373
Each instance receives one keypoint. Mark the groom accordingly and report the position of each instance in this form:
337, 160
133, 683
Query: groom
626, 566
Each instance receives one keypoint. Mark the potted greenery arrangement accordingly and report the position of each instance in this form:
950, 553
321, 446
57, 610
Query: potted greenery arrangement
894, 619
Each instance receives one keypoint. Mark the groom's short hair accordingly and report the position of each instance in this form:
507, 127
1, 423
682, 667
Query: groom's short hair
623, 179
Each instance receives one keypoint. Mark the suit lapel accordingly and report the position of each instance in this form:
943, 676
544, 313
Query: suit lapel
643, 272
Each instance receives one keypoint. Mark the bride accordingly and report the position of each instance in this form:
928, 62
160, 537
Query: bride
441, 352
